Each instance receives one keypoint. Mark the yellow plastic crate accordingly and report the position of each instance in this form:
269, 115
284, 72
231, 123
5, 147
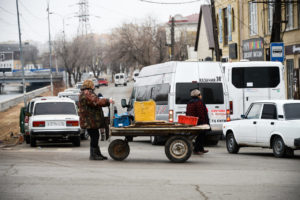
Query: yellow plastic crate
144, 111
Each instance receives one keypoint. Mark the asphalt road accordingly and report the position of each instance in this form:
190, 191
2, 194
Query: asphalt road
61, 171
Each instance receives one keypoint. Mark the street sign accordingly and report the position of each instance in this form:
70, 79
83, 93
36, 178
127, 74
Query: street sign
277, 51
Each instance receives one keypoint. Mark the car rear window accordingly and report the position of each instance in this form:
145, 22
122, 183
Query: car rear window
117, 77
212, 93
292, 111
55, 108
121, 76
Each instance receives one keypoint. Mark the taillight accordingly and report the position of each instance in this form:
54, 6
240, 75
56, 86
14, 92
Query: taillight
38, 124
231, 107
228, 115
171, 118
72, 123
26, 120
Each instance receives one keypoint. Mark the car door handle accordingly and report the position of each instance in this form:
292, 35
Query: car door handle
272, 123
254, 122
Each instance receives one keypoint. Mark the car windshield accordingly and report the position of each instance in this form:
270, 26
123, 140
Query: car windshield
55, 108
292, 111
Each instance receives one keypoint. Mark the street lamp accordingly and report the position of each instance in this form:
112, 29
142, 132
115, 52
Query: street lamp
21, 54
50, 50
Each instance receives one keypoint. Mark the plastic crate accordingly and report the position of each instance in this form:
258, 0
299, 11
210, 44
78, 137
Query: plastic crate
182, 119
121, 121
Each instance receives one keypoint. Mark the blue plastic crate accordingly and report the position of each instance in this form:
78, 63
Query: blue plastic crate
121, 121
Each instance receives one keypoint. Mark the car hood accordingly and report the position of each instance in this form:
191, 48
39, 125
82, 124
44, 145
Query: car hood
54, 117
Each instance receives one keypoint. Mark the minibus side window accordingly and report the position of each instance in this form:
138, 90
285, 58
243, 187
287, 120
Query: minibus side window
255, 77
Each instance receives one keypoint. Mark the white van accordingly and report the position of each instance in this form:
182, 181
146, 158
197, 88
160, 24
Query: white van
169, 85
252, 81
120, 79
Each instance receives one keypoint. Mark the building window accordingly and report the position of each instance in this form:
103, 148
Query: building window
271, 8
225, 17
253, 18
289, 15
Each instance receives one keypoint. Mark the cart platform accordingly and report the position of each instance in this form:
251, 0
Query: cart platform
178, 147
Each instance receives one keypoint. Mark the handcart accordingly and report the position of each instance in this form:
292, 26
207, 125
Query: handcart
178, 147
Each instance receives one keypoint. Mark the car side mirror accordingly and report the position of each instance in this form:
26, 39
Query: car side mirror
243, 116
123, 103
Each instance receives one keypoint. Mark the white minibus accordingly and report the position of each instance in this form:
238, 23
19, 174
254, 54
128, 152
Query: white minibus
252, 81
120, 79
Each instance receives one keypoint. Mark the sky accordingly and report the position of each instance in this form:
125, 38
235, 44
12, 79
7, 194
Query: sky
104, 16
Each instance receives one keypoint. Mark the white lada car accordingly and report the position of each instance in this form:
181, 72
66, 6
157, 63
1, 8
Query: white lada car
270, 124
54, 118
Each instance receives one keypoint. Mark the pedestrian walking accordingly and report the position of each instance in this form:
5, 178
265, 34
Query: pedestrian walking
197, 108
91, 116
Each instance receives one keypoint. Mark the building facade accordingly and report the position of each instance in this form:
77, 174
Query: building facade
244, 32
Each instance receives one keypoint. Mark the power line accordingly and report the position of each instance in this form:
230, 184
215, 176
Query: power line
7, 11
170, 3
31, 12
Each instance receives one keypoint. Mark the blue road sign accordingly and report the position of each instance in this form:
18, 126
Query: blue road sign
277, 51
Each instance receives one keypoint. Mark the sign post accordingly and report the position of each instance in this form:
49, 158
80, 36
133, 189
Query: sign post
277, 51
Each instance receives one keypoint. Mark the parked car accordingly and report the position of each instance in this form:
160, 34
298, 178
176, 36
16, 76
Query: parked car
95, 81
120, 79
56, 119
75, 97
102, 81
270, 124
28, 112
78, 85
74, 90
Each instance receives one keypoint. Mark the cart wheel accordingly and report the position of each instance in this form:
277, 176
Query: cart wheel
118, 150
178, 149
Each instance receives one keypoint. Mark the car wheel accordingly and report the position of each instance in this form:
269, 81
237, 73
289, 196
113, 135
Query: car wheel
178, 149
27, 139
231, 144
116, 85
279, 148
32, 141
125, 84
76, 141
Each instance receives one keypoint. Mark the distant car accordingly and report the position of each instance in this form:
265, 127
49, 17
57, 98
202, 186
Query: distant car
74, 90
95, 81
55, 119
271, 124
79, 85
102, 81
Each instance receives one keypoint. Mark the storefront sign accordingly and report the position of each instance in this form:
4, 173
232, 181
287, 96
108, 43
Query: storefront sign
292, 49
253, 49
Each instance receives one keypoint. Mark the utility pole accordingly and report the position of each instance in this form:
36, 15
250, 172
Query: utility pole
215, 30
50, 50
21, 54
172, 38
276, 26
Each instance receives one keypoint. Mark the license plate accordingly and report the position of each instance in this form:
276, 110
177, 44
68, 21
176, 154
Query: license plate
55, 123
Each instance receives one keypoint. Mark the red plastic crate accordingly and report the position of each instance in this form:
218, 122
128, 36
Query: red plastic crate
182, 119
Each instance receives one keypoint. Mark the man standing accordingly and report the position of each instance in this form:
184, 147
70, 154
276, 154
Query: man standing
91, 116
197, 108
